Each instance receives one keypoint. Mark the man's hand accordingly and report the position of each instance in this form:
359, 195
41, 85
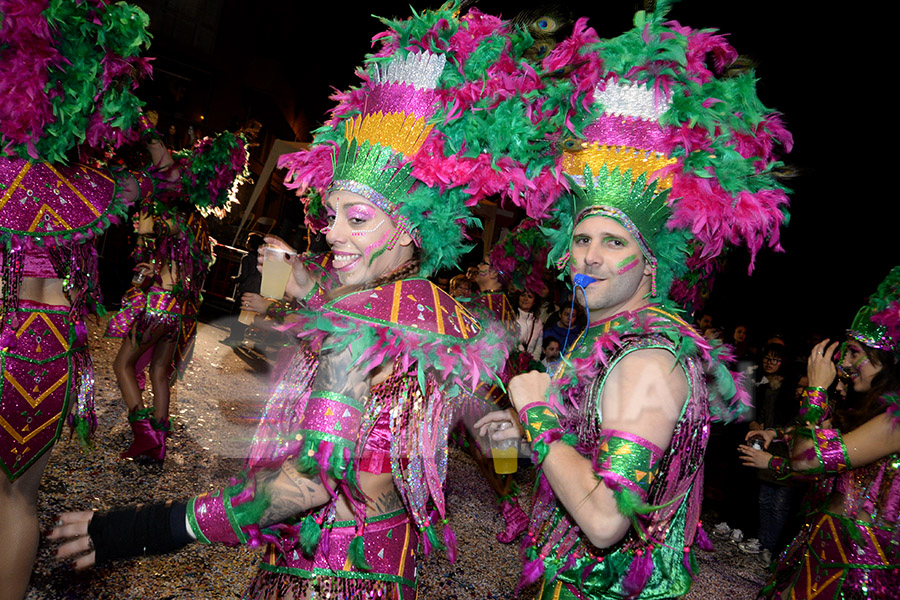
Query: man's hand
527, 388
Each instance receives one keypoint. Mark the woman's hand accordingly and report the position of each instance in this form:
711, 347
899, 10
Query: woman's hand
145, 267
499, 425
72, 529
751, 457
255, 303
301, 282
820, 368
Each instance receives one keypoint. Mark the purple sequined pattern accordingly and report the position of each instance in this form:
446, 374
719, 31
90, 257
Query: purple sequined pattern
852, 549
40, 201
39, 383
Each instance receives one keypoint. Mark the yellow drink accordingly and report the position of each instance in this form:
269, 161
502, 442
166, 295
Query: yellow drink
506, 460
275, 273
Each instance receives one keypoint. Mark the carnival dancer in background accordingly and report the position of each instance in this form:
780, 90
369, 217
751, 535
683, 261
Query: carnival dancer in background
849, 545
619, 432
158, 320
67, 71
515, 263
345, 478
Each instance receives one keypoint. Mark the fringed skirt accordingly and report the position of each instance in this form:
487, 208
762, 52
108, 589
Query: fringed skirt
155, 308
391, 544
837, 557
46, 365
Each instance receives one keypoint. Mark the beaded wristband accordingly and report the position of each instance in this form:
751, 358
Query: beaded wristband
625, 460
211, 520
780, 466
814, 405
278, 311
538, 418
146, 130
314, 290
830, 452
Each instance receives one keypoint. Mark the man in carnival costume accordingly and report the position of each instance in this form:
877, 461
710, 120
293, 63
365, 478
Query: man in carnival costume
67, 75
345, 477
673, 164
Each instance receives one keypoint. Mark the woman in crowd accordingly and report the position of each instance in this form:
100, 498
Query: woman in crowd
54, 107
531, 330
849, 546
351, 452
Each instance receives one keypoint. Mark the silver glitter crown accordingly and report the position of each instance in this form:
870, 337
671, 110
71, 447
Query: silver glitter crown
629, 99
422, 70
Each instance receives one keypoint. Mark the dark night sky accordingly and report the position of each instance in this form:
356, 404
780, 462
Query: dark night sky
838, 245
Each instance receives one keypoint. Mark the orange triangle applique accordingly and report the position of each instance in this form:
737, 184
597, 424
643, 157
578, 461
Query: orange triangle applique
329, 412
640, 474
623, 450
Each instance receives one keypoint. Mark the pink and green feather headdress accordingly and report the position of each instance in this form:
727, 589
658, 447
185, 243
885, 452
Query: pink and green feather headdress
877, 324
68, 71
681, 155
436, 126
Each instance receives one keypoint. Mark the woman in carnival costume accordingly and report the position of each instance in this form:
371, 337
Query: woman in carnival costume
67, 71
345, 477
158, 320
849, 546
680, 161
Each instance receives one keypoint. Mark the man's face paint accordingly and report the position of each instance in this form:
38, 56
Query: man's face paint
627, 264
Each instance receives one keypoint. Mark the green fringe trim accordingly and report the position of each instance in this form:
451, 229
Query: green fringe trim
357, 554
81, 429
433, 538
250, 512
310, 534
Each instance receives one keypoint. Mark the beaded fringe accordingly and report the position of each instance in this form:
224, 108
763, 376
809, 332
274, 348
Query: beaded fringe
276, 586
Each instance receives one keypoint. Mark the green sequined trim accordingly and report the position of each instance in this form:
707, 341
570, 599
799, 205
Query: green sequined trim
369, 520
192, 521
342, 574
335, 397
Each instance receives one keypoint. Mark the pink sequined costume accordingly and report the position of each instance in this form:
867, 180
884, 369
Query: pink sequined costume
852, 551
48, 216
849, 545
436, 348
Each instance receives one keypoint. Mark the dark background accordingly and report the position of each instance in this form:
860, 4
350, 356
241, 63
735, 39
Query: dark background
278, 61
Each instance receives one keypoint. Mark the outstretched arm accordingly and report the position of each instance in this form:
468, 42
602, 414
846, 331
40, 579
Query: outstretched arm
284, 493
871, 441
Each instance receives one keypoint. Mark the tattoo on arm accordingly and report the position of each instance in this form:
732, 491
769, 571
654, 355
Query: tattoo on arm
338, 374
290, 493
